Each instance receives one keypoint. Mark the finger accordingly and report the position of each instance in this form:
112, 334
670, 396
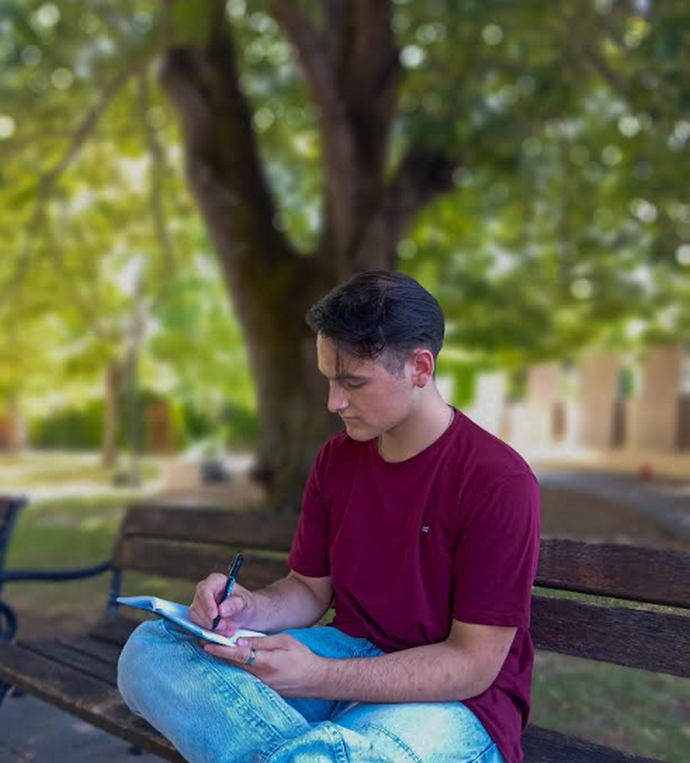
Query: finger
208, 604
237, 655
233, 606
201, 617
265, 643
196, 617
225, 628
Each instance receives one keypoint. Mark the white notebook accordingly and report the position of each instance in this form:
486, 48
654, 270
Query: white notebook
179, 614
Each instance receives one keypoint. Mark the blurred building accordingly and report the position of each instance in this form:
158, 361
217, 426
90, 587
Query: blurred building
604, 401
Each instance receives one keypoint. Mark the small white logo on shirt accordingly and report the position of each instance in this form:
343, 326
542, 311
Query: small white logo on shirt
425, 529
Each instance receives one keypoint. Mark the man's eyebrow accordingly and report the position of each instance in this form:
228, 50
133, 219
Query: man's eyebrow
343, 376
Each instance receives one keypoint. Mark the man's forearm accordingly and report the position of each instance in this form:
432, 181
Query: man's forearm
433, 673
287, 603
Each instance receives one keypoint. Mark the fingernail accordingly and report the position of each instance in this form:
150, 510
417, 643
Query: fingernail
242, 642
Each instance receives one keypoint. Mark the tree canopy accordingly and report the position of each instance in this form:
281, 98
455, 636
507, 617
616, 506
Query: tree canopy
522, 159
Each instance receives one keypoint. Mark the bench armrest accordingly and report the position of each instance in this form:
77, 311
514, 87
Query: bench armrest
8, 617
55, 576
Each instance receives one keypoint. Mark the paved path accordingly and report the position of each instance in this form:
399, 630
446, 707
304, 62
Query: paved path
35, 732
666, 502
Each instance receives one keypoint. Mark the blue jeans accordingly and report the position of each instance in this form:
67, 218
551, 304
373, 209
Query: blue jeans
215, 712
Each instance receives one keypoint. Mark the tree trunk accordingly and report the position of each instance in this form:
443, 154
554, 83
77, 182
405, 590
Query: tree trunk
353, 72
109, 453
16, 429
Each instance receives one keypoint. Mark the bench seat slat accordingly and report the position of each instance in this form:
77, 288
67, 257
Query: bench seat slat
637, 639
86, 697
64, 655
547, 746
114, 630
253, 529
100, 650
194, 562
96, 702
614, 570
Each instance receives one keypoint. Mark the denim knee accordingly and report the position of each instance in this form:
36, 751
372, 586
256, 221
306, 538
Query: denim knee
137, 670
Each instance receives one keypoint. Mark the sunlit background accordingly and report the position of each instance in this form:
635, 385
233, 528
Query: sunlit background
555, 233
561, 256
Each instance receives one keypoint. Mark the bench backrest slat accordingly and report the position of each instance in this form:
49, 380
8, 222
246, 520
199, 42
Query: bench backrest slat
191, 542
615, 570
653, 641
194, 561
251, 529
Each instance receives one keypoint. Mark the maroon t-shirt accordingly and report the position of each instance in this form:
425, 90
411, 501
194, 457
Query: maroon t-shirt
451, 533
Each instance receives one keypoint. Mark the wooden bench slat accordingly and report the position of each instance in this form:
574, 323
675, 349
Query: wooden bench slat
253, 529
100, 650
614, 570
547, 746
84, 696
633, 638
97, 703
64, 655
115, 630
194, 562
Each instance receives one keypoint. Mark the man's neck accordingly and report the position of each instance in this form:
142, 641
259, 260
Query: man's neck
416, 433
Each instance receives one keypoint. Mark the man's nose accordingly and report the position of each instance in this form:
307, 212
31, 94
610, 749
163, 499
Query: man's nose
337, 399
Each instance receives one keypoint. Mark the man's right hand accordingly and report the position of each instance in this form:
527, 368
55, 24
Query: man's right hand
236, 611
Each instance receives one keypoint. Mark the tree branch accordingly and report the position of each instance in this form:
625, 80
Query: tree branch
352, 69
338, 140
423, 175
312, 51
156, 192
370, 72
223, 163
50, 179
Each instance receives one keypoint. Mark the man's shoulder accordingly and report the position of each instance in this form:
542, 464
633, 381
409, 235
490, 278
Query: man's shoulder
489, 459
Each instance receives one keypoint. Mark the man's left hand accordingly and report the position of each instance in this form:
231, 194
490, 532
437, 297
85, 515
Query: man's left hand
282, 662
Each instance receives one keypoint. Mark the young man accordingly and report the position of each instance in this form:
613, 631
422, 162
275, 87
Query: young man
420, 527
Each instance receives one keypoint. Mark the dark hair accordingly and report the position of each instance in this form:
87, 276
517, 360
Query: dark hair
380, 313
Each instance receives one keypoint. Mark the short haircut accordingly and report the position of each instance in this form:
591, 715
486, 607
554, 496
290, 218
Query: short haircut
380, 313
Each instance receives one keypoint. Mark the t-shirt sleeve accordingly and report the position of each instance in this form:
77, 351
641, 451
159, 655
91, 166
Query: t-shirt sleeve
309, 551
495, 562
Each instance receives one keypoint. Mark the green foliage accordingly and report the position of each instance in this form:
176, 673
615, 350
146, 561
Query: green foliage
568, 223
81, 427
240, 425
70, 429
233, 426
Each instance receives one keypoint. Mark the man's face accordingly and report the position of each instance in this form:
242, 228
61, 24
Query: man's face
368, 398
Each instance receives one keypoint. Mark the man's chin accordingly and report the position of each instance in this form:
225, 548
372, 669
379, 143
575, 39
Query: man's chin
356, 431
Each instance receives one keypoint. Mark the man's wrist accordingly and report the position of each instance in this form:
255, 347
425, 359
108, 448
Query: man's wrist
320, 678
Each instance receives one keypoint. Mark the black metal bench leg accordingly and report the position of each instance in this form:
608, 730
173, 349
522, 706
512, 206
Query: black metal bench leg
134, 750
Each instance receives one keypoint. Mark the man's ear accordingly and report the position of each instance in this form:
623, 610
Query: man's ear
423, 366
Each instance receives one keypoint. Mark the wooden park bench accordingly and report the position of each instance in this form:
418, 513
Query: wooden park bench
78, 674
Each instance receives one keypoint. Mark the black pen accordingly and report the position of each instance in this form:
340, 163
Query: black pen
233, 569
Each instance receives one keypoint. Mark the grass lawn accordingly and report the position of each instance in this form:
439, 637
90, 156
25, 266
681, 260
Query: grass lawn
56, 469
631, 709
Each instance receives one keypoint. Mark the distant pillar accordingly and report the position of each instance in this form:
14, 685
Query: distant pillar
655, 414
160, 436
489, 402
12, 429
598, 373
684, 422
542, 401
